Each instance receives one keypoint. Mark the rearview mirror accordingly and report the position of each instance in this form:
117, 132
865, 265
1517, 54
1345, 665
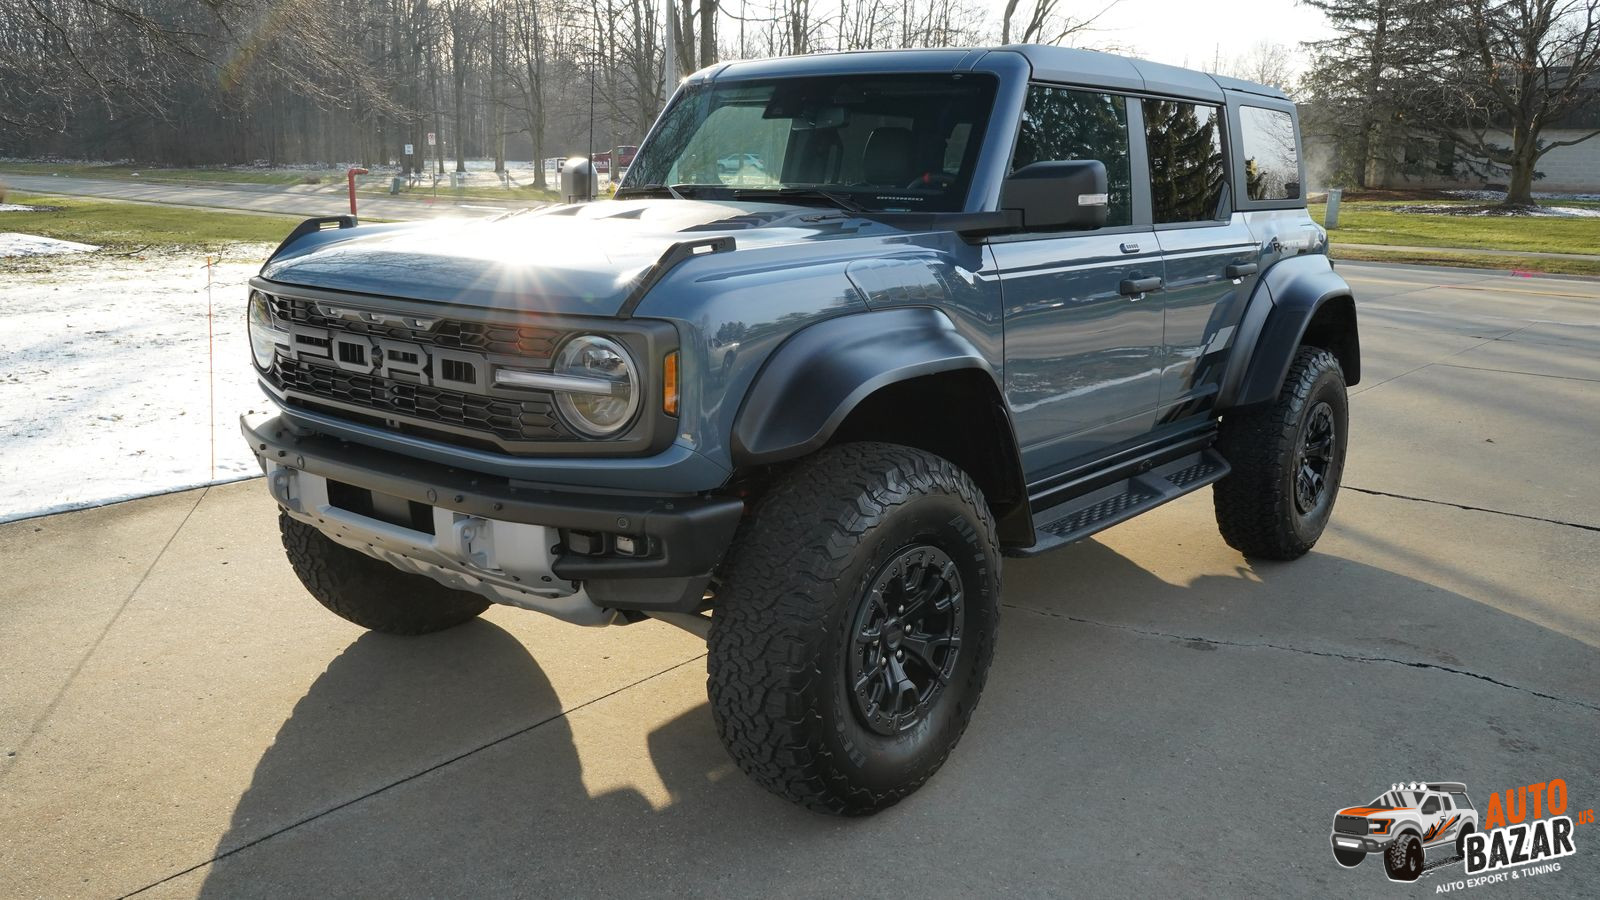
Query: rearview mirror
1058, 194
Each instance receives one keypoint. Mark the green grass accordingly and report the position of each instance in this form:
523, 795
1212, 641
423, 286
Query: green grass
166, 175
1375, 223
130, 227
1470, 260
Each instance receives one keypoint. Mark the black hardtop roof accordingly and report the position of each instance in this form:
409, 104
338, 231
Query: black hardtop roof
1066, 65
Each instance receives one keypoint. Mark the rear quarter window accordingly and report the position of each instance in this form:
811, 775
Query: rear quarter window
1271, 154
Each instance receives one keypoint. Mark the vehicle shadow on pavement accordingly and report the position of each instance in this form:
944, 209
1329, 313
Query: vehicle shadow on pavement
442, 765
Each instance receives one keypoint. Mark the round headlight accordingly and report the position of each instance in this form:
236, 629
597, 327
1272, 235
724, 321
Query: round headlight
263, 336
608, 405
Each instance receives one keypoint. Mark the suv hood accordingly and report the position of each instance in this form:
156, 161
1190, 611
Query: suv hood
579, 259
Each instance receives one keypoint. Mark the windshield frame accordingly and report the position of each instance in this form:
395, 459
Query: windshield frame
989, 139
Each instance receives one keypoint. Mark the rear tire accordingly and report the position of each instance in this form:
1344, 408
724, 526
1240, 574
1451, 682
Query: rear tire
369, 592
853, 629
1288, 460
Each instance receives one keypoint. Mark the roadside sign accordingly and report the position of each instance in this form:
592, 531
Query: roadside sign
409, 150
432, 139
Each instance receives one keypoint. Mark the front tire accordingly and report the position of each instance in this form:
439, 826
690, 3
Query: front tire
369, 592
854, 628
1403, 860
1288, 461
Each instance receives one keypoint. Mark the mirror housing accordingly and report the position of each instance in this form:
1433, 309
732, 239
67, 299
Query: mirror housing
1058, 194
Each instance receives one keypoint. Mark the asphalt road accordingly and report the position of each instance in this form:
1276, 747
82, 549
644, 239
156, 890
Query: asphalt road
178, 718
298, 199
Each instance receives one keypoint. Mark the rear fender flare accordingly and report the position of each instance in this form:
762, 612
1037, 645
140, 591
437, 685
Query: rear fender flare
1287, 299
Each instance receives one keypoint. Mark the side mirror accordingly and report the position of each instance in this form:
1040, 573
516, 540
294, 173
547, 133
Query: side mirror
1059, 194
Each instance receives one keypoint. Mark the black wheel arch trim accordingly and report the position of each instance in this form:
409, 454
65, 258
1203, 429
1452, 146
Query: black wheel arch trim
1287, 299
810, 385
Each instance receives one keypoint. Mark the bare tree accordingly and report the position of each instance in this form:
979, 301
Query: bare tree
1509, 68
1044, 22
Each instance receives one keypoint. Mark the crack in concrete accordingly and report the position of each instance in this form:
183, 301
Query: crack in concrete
1329, 654
1469, 508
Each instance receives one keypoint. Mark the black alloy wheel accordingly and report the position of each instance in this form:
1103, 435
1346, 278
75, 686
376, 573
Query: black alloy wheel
907, 639
1315, 458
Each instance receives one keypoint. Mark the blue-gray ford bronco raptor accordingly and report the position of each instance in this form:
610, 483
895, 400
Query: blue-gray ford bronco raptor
854, 327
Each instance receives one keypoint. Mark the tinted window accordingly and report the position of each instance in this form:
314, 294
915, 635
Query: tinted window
1430, 807
1271, 161
1461, 801
1059, 124
887, 141
1186, 169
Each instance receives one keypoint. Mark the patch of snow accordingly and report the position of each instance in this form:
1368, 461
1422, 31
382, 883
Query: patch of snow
15, 207
1537, 195
1538, 212
105, 392
15, 244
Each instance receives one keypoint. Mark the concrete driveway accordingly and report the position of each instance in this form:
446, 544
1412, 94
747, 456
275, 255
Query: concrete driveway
178, 718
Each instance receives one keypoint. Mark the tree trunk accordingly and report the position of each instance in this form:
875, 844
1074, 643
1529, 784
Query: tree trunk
1519, 192
708, 32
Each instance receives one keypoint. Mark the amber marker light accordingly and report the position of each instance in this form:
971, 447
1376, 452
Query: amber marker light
669, 384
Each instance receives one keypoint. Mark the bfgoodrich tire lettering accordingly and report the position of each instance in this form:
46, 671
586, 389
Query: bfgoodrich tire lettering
783, 642
1288, 460
371, 593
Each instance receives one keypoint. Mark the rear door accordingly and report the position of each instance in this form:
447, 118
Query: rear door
1209, 254
1082, 357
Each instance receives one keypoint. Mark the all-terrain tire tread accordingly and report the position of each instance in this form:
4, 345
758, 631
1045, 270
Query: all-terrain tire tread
1253, 503
369, 592
769, 620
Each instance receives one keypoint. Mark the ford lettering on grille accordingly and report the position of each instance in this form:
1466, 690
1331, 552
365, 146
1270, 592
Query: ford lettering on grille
422, 374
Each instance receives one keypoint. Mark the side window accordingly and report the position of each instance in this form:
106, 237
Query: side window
1431, 806
1186, 168
1271, 162
1461, 801
1060, 124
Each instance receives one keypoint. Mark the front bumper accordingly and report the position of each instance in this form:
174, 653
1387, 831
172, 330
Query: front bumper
1363, 843
557, 551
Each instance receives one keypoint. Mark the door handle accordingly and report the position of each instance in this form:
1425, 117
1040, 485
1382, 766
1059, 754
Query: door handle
1136, 287
1239, 270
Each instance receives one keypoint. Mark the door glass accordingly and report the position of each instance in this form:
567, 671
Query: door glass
1431, 807
1186, 168
1271, 160
1058, 124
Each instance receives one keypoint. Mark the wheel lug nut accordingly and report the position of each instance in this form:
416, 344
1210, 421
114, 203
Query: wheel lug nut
899, 654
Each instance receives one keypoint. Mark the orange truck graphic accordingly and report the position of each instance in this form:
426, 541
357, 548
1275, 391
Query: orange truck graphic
1416, 826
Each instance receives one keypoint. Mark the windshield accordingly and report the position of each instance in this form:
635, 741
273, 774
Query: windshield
882, 142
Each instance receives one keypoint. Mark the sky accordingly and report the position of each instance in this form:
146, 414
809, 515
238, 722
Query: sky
1192, 32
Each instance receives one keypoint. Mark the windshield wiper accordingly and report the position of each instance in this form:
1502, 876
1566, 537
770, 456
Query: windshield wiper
830, 197
675, 191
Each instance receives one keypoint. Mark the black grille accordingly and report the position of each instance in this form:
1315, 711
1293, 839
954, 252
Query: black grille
508, 420
1350, 824
533, 343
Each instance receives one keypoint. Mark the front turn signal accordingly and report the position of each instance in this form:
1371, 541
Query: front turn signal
669, 384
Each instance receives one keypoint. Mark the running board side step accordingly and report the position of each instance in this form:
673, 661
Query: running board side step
1081, 516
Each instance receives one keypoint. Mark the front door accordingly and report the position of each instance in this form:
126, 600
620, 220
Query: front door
1082, 351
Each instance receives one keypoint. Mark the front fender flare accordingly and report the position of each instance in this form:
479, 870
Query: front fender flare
813, 381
